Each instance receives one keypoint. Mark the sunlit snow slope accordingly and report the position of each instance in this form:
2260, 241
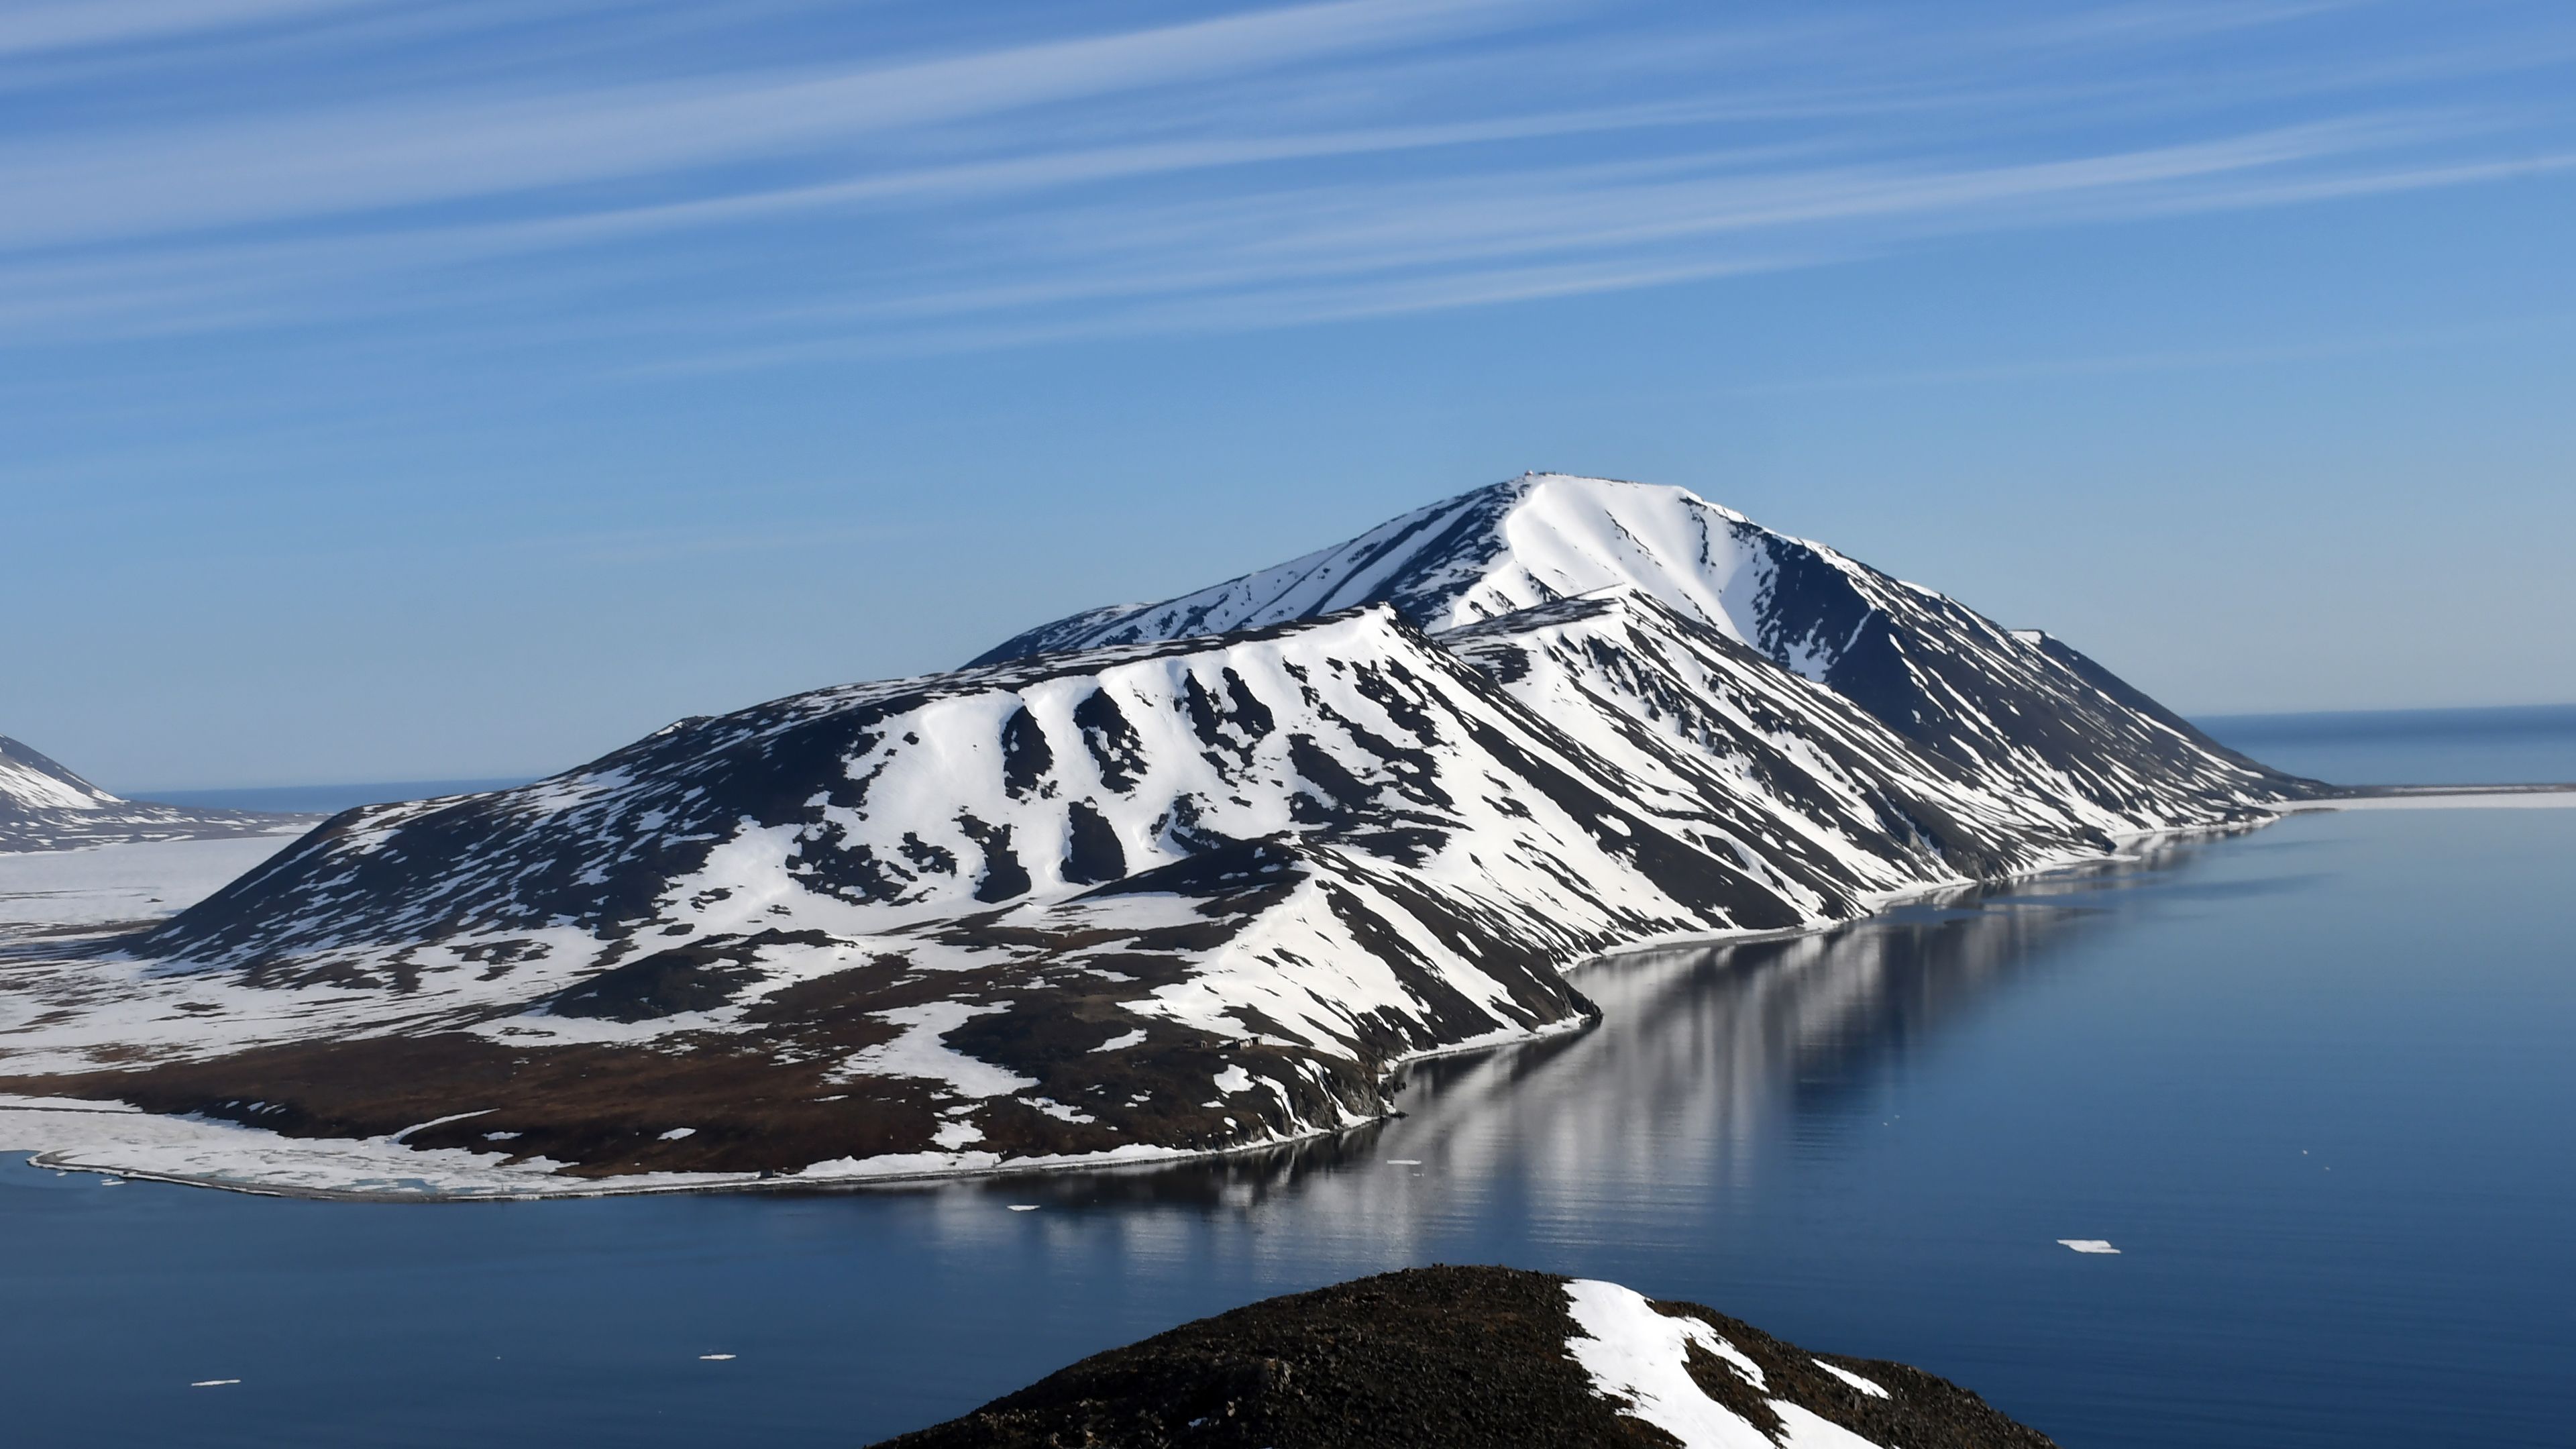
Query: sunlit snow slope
2013, 704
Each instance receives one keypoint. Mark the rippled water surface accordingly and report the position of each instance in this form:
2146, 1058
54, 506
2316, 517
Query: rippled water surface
2314, 1081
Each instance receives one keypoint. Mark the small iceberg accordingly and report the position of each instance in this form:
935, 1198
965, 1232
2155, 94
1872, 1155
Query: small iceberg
2090, 1245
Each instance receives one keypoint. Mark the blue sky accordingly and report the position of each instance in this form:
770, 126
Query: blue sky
453, 389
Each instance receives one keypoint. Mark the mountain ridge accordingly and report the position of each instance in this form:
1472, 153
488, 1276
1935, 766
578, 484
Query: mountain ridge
1927, 666
1450, 1357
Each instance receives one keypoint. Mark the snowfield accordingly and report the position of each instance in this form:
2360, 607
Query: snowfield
98, 885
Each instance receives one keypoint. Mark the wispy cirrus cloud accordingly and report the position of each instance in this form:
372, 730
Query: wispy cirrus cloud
814, 180
428, 150
81, 24
1337, 254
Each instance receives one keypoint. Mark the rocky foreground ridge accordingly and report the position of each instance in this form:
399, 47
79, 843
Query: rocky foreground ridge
1465, 1358
1128, 887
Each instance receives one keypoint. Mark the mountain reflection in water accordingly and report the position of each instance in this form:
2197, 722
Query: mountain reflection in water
1702, 1053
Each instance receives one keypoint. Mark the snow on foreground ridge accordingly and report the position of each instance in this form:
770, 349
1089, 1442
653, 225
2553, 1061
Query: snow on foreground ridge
1160, 897
1641, 1359
1459, 1357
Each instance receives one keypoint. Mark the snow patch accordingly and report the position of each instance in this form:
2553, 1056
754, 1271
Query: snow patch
922, 1052
1640, 1359
1853, 1379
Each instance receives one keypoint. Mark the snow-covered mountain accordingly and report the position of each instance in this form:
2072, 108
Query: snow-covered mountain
1169, 891
44, 806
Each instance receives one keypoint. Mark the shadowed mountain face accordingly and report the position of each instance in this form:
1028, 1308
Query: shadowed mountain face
45, 806
1950, 681
1448, 1357
1154, 894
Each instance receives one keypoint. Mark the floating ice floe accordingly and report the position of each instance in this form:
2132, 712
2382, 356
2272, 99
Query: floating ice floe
2089, 1245
211, 1383
715, 1358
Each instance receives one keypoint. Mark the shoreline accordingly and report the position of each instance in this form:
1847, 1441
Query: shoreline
540, 1188
2442, 797
524, 1184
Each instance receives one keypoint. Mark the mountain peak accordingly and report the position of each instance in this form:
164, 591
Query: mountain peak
1491, 551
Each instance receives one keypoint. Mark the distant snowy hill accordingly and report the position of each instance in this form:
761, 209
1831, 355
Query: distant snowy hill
1172, 890
44, 806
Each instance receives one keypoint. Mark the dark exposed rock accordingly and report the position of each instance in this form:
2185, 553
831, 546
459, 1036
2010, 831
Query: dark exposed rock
1436, 1358
696, 977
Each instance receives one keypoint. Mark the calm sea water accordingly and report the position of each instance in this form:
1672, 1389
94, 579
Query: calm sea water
2524, 745
323, 799
2314, 1081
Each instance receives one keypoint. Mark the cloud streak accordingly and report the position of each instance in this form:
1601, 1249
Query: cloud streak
83, 24
819, 185
343, 161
